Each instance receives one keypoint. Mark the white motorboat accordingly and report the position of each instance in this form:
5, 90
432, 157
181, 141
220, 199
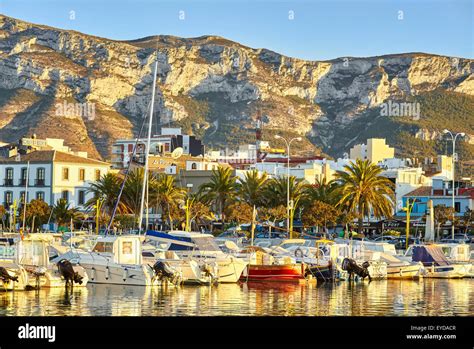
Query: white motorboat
435, 262
458, 254
115, 260
201, 248
33, 255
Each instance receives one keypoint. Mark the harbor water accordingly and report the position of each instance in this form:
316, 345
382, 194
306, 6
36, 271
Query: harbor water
428, 297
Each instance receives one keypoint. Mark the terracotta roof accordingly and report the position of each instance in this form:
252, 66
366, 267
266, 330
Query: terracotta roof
421, 191
41, 156
426, 191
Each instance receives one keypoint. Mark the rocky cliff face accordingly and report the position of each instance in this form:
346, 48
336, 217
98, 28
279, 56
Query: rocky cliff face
91, 90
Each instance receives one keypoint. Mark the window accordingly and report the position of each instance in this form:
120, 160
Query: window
8, 199
65, 173
193, 166
65, 195
9, 176
97, 175
40, 195
40, 175
104, 247
22, 197
457, 207
24, 172
82, 174
82, 197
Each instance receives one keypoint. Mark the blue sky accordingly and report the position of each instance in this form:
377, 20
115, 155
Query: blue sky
320, 29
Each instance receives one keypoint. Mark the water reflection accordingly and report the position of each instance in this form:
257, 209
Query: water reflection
388, 297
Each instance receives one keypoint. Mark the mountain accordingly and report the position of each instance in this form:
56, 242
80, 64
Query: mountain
215, 88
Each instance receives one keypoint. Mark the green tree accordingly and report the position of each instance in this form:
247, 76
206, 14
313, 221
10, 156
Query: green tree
107, 189
239, 212
251, 188
37, 213
221, 189
442, 215
468, 218
167, 196
320, 214
276, 194
324, 191
63, 213
364, 191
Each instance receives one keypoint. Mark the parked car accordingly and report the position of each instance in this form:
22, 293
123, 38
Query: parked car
400, 242
386, 238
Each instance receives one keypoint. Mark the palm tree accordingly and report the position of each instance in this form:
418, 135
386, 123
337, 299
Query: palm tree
251, 188
275, 194
363, 191
107, 189
166, 195
63, 213
221, 189
324, 191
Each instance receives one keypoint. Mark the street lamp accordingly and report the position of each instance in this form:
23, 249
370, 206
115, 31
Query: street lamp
453, 138
288, 143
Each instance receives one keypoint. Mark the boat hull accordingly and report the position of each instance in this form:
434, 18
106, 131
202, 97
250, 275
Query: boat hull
286, 272
401, 272
452, 271
117, 274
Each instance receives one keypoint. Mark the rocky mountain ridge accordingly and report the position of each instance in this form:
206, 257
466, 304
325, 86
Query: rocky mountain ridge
211, 86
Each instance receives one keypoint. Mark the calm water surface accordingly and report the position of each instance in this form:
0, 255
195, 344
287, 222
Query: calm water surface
388, 297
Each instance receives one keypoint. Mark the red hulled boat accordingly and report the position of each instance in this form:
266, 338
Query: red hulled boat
274, 272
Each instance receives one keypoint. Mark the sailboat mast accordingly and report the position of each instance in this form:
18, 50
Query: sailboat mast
26, 197
147, 149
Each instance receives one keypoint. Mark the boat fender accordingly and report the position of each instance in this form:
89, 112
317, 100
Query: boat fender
125, 274
107, 272
93, 274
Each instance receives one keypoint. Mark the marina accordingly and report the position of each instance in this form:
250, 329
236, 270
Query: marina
430, 297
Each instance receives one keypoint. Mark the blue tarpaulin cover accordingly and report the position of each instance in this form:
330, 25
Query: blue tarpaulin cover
429, 255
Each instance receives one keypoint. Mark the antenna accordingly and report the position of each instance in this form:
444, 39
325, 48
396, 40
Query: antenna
177, 153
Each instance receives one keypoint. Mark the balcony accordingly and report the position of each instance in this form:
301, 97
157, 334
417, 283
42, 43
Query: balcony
8, 182
40, 182
22, 182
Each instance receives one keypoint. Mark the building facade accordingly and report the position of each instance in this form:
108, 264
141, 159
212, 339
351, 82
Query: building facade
49, 175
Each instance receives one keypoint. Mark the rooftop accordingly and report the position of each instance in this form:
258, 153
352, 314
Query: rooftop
42, 156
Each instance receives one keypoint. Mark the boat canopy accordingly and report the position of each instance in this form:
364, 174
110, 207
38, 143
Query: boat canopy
176, 242
429, 254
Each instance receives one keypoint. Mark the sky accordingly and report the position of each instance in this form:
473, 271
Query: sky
307, 29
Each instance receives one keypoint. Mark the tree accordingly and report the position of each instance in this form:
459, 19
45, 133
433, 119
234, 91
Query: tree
167, 196
239, 212
63, 213
276, 194
3, 213
37, 213
272, 214
251, 188
324, 191
107, 189
221, 189
363, 191
442, 215
468, 218
320, 214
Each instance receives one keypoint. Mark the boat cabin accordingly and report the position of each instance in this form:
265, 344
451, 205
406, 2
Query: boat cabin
182, 241
123, 249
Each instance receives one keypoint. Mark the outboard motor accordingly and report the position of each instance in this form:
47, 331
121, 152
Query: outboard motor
5, 276
66, 270
352, 267
163, 271
210, 272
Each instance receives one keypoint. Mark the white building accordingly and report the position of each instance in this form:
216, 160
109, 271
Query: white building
169, 139
52, 175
